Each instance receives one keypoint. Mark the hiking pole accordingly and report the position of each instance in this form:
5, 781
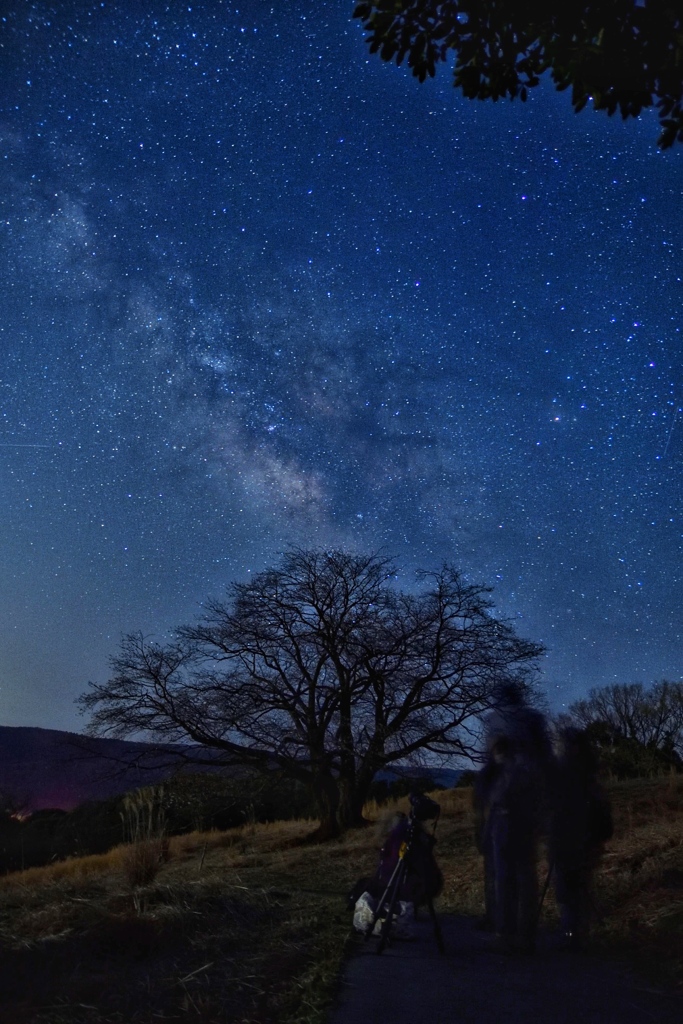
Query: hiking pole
544, 891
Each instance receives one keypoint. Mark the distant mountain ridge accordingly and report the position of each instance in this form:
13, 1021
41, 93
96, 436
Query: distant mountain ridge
43, 768
443, 776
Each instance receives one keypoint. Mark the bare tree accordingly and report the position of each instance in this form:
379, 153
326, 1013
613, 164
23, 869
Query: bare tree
652, 717
323, 669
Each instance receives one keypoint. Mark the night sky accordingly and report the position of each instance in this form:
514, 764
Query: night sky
260, 288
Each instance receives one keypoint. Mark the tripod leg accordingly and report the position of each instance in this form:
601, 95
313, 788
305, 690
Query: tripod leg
437, 927
386, 895
386, 924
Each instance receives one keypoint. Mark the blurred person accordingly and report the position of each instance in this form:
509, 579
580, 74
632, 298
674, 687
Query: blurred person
510, 801
581, 824
481, 804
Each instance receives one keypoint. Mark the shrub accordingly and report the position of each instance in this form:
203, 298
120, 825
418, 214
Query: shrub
142, 860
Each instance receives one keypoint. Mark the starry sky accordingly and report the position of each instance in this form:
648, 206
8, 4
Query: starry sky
259, 288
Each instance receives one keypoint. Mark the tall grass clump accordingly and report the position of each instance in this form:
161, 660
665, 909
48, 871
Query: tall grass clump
141, 861
144, 820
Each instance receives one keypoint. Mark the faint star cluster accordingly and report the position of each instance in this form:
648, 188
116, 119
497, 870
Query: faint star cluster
259, 288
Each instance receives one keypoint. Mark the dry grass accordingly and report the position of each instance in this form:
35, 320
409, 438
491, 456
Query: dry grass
640, 885
73, 868
141, 861
245, 925
250, 924
638, 892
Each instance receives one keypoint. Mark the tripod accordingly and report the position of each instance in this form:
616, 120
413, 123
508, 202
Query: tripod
390, 896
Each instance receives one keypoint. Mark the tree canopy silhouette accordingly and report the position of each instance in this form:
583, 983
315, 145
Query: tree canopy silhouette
636, 720
623, 55
321, 669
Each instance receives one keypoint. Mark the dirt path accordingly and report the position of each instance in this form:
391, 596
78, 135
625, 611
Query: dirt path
410, 983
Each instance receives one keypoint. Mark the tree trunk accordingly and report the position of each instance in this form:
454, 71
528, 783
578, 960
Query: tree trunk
351, 800
326, 793
351, 815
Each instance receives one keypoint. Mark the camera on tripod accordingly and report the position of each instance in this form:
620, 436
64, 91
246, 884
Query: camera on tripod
408, 871
423, 808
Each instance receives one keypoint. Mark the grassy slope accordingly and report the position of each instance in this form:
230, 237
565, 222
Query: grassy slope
250, 926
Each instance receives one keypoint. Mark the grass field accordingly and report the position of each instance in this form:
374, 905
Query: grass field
250, 925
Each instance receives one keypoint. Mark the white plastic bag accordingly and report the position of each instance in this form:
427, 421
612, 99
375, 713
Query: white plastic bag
364, 911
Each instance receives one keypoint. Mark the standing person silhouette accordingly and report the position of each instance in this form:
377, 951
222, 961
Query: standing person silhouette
581, 824
512, 799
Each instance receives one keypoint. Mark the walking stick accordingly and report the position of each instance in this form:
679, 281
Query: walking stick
551, 865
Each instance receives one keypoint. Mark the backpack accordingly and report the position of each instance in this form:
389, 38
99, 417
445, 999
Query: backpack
423, 880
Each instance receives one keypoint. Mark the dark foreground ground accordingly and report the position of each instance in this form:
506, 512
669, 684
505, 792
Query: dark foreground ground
411, 983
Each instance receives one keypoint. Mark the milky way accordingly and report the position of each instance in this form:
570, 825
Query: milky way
259, 288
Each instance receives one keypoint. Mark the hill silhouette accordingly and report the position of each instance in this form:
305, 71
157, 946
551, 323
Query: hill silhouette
49, 768
41, 768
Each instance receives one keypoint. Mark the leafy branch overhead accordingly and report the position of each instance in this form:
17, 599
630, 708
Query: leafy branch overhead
620, 54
